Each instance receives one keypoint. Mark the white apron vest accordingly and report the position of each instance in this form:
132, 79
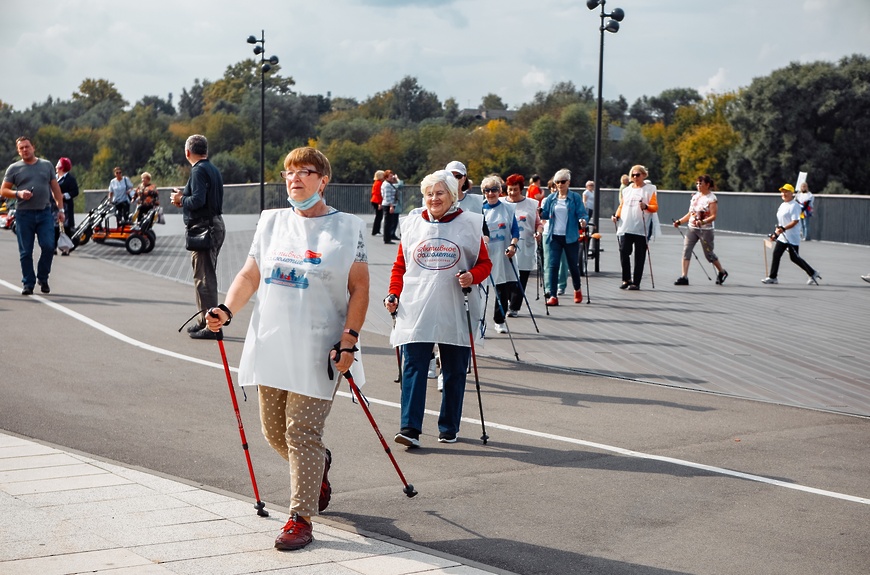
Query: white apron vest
431, 306
499, 220
301, 304
526, 256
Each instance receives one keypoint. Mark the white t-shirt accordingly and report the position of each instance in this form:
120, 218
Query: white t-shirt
589, 199
699, 205
560, 217
787, 213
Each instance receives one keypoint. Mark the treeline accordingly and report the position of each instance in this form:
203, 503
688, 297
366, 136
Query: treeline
805, 117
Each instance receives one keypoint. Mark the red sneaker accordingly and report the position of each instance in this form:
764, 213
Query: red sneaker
553, 301
325, 487
578, 296
296, 534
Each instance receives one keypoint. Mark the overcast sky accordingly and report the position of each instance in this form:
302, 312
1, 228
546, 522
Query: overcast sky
456, 48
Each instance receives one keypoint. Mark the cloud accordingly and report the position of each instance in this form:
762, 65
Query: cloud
717, 83
536, 79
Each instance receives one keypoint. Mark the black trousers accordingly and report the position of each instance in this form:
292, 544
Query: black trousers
503, 295
391, 222
793, 254
379, 215
517, 295
629, 243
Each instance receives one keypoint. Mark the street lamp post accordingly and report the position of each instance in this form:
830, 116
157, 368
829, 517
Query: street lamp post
265, 66
612, 26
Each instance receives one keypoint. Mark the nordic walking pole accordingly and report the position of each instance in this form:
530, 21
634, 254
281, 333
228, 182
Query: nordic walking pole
595, 236
676, 225
647, 235
764, 247
504, 315
522, 291
409, 489
259, 506
465, 291
391, 298
541, 272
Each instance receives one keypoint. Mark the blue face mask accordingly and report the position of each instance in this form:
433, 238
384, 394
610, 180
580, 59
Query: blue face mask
307, 204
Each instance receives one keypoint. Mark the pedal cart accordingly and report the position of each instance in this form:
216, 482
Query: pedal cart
138, 237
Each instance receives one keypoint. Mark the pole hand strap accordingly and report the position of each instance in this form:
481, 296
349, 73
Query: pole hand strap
338, 351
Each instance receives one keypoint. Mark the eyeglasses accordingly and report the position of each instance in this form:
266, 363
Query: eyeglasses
458, 176
491, 190
636, 175
561, 182
290, 174
436, 194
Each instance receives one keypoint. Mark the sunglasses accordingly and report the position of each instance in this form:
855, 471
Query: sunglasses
491, 190
458, 176
561, 182
636, 175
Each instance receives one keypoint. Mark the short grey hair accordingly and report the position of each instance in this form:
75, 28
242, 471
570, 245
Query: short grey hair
563, 174
441, 176
492, 180
197, 144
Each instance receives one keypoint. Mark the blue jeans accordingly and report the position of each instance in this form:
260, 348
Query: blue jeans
415, 368
36, 225
558, 246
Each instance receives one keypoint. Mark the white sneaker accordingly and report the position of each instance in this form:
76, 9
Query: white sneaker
866, 278
560, 291
432, 365
814, 279
512, 313
770, 281
501, 328
440, 382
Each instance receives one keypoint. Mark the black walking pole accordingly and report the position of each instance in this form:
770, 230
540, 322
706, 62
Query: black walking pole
540, 250
693, 251
646, 237
522, 291
465, 292
504, 315
392, 298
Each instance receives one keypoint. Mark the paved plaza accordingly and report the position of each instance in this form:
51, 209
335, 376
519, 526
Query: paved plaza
677, 429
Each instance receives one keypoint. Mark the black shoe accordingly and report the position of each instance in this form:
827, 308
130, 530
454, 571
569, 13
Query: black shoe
388, 243
205, 333
446, 437
43, 286
194, 327
683, 281
633, 287
624, 285
27, 290
720, 277
409, 437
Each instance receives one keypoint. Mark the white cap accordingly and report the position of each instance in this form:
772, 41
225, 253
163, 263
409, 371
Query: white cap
456, 166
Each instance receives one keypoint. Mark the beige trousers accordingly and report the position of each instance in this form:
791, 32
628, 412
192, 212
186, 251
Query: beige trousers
293, 426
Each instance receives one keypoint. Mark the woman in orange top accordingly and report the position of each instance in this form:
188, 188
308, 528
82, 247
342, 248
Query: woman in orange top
376, 202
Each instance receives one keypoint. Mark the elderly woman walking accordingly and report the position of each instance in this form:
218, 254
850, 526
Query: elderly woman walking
637, 205
308, 266
567, 215
529, 222
703, 208
504, 237
441, 252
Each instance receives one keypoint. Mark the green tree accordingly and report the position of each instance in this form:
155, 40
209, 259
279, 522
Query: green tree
492, 102
805, 117
92, 92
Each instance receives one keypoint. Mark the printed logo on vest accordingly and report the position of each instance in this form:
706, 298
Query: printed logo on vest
436, 254
290, 279
312, 257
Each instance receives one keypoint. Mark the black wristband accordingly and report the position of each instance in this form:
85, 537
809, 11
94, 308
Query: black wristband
352, 332
227, 311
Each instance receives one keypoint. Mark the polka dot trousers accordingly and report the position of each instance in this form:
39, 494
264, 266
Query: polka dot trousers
293, 426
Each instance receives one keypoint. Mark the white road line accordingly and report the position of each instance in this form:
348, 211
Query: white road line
600, 446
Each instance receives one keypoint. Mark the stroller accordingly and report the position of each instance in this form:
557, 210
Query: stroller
138, 237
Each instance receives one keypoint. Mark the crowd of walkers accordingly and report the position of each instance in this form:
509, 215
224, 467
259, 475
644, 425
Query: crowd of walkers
307, 274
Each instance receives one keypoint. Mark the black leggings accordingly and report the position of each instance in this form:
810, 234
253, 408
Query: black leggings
632, 243
793, 254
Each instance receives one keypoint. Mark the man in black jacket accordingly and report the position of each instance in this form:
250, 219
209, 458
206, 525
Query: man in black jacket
202, 201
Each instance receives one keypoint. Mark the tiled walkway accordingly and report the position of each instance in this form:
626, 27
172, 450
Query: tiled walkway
65, 513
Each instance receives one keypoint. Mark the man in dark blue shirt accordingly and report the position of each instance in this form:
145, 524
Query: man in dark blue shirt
202, 201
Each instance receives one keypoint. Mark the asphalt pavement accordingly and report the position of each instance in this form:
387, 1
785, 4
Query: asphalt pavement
705, 429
